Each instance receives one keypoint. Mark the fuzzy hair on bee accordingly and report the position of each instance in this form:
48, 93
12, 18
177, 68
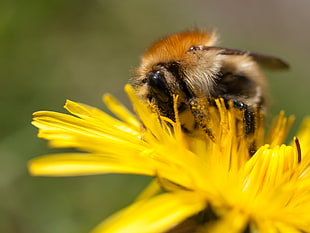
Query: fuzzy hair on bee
191, 66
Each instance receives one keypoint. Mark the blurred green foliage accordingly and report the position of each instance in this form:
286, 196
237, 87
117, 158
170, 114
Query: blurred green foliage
52, 50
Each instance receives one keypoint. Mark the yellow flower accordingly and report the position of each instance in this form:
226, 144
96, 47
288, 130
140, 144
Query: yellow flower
202, 183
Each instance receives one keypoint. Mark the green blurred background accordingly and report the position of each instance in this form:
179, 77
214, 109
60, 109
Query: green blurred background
52, 50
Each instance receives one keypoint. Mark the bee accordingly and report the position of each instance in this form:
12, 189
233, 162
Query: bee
191, 66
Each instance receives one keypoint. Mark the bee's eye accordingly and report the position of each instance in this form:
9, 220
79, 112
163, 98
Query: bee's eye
195, 48
158, 85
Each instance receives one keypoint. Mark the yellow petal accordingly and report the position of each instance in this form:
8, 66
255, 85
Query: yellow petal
98, 119
150, 120
68, 131
151, 190
279, 129
76, 164
154, 215
121, 111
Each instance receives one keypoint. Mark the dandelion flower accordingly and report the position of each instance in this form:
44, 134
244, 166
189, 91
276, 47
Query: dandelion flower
200, 184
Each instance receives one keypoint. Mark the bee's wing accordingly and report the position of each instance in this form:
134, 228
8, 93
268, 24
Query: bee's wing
267, 61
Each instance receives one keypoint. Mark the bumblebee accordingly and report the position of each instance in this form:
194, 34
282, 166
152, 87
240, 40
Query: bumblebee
191, 66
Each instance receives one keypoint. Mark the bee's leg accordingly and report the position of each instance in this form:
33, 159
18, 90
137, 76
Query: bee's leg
200, 113
251, 118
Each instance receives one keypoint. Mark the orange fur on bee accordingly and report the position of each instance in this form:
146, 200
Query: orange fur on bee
174, 48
